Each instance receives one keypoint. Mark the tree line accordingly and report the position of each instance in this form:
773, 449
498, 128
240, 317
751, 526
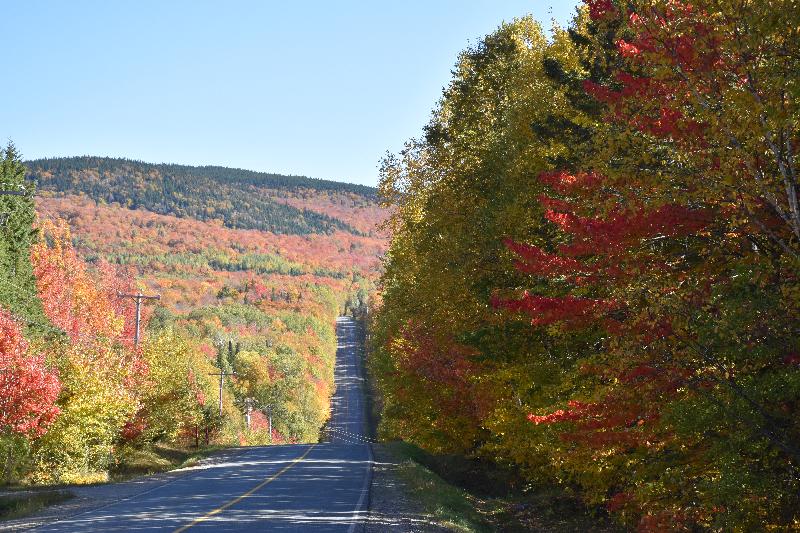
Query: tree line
593, 275
238, 198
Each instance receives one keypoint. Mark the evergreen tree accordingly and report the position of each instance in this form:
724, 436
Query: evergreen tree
17, 214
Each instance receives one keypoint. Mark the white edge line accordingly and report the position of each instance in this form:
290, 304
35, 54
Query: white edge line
364, 490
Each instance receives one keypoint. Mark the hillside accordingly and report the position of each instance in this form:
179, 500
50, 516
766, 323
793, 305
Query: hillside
240, 199
190, 261
251, 269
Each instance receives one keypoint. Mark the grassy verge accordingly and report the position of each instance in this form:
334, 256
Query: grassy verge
20, 505
134, 462
470, 496
448, 505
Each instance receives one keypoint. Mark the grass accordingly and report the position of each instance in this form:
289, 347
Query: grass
134, 462
473, 496
447, 504
20, 505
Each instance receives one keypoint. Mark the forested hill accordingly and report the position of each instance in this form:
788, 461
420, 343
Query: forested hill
241, 199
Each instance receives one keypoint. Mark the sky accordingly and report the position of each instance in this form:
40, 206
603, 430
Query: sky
316, 88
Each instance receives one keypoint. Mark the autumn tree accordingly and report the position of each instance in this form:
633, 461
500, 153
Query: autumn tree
28, 393
680, 254
100, 371
174, 391
645, 348
455, 376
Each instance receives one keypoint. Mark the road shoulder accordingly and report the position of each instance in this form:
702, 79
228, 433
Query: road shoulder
92, 497
392, 504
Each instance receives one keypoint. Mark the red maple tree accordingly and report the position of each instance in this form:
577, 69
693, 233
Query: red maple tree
28, 389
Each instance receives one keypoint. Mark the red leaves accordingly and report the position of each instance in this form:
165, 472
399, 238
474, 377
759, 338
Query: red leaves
82, 303
679, 42
258, 421
641, 371
564, 182
792, 359
534, 260
600, 92
28, 389
600, 253
133, 428
622, 230
619, 501
439, 362
599, 9
199, 395
627, 49
571, 311
442, 364
70, 298
577, 410
656, 114
616, 421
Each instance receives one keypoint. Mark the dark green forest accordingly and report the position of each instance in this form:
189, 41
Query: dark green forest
242, 199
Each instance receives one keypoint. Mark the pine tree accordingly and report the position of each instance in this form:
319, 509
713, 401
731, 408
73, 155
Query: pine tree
17, 214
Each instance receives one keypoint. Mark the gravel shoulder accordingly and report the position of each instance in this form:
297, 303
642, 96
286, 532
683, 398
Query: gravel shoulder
392, 505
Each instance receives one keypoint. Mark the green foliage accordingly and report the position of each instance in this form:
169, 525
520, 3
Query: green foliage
95, 406
239, 198
175, 380
230, 316
283, 362
17, 213
211, 259
614, 193
15, 453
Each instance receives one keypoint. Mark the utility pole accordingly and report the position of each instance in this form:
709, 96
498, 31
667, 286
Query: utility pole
248, 406
138, 297
269, 411
221, 375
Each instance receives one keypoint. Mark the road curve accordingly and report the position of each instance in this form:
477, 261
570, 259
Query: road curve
315, 488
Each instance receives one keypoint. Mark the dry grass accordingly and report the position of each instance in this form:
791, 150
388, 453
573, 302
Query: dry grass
24, 504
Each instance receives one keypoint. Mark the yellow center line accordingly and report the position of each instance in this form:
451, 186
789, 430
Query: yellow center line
246, 494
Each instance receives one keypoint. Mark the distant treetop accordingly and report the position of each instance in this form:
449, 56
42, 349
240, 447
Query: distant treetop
240, 198
232, 175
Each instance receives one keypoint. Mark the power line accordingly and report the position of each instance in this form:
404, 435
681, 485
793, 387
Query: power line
344, 435
351, 435
30, 297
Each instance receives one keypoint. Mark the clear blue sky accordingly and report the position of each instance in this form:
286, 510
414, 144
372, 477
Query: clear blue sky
320, 88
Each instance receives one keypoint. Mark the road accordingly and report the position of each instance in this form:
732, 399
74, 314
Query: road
314, 488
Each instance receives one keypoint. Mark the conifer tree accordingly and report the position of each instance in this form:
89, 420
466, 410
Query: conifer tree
17, 214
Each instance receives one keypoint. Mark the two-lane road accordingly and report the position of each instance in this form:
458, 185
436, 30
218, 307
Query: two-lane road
319, 487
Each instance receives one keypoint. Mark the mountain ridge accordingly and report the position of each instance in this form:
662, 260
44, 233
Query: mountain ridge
241, 199
303, 181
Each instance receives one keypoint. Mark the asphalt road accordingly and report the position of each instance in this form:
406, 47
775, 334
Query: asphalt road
315, 488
